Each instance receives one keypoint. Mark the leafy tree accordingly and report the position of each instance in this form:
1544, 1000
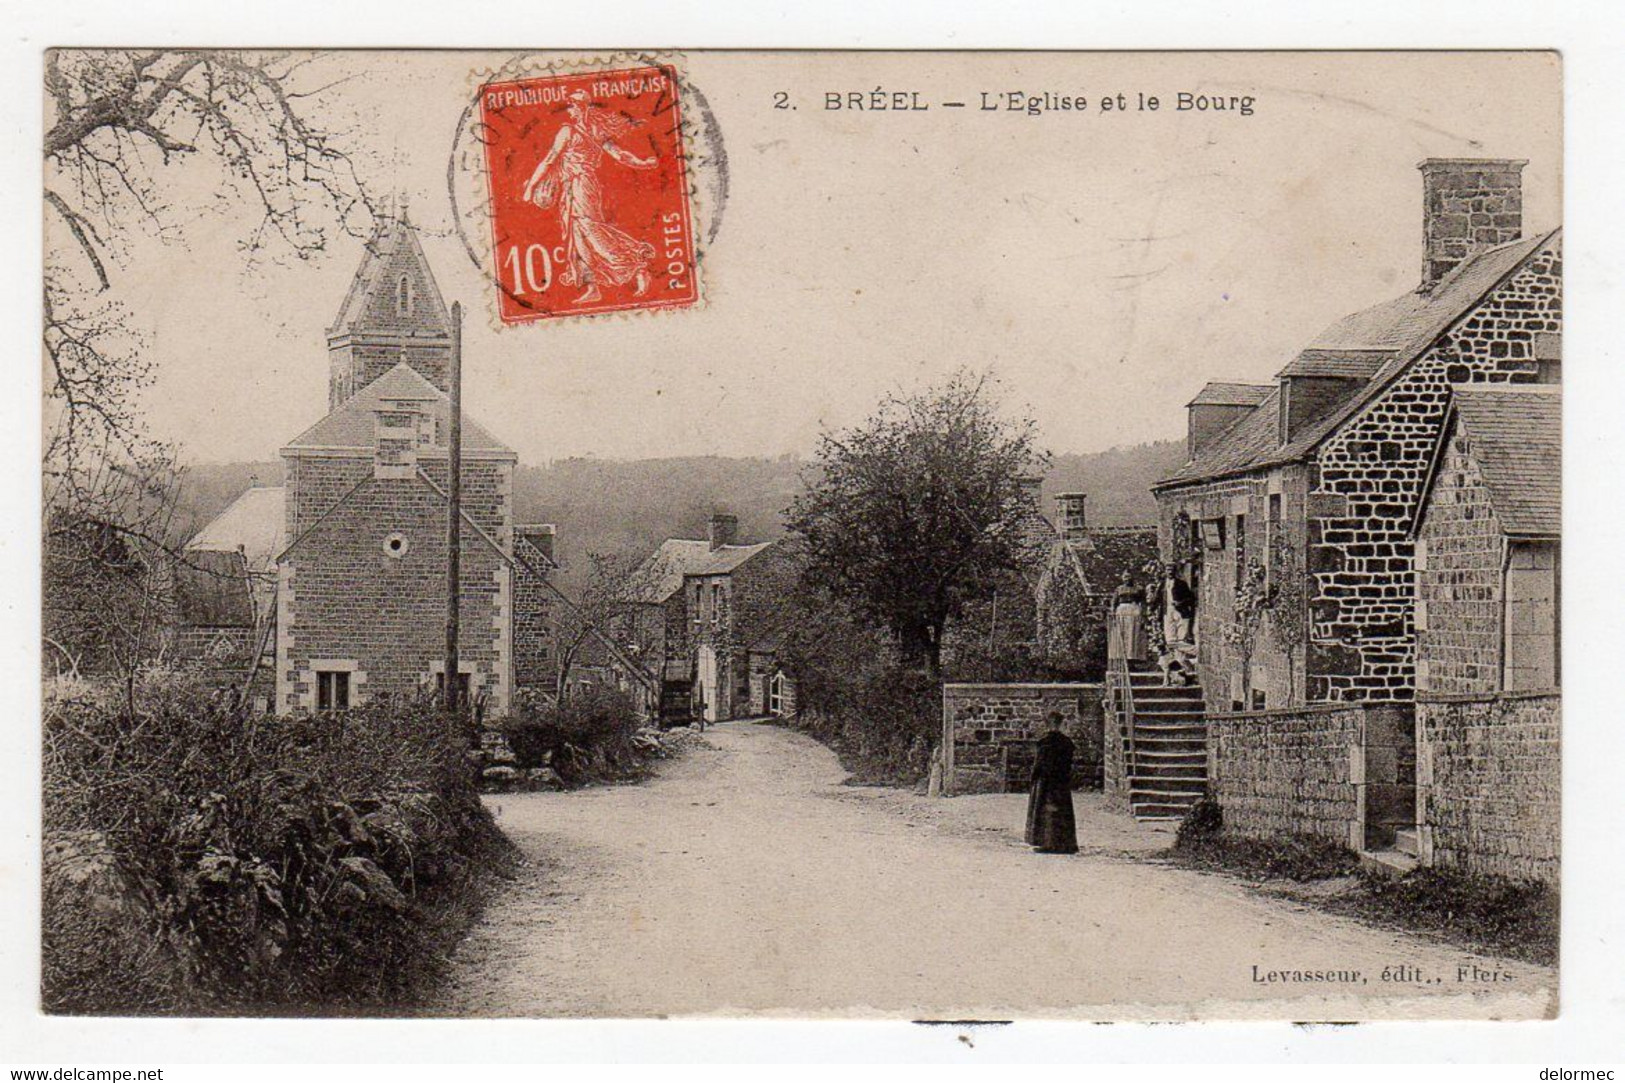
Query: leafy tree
910, 515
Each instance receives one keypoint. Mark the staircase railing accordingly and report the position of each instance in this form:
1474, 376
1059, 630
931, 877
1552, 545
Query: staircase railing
1120, 687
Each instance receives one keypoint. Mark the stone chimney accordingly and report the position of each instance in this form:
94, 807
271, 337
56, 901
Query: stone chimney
1469, 205
1031, 488
539, 537
1070, 519
399, 429
723, 530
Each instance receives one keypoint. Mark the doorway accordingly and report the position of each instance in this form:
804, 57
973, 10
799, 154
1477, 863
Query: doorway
710, 693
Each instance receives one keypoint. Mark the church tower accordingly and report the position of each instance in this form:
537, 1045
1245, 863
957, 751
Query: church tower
392, 313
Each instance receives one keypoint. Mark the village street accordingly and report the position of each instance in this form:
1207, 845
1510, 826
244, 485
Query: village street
746, 879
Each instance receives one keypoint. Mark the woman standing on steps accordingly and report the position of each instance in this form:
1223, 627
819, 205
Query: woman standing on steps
1126, 636
1051, 825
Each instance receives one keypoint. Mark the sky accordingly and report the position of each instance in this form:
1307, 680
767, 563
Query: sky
1103, 265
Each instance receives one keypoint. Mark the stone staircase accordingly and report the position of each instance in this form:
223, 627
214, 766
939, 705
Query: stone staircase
1167, 755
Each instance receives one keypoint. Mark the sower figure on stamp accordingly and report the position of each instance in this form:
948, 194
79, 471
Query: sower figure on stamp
1051, 825
595, 251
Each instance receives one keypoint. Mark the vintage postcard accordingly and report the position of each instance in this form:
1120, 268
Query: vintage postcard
924, 536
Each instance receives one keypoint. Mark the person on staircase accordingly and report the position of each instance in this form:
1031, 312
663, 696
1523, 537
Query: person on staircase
1126, 634
1052, 826
1179, 618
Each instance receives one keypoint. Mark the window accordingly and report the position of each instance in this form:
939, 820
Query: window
1212, 533
396, 544
462, 686
332, 691
716, 603
403, 296
775, 694
698, 616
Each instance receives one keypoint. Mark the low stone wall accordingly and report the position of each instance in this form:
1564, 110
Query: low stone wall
1343, 772
989, 730
1488, 776
1287, 772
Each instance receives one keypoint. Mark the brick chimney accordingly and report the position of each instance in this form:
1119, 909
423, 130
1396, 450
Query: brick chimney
1070, 519
723, 529
1469, 205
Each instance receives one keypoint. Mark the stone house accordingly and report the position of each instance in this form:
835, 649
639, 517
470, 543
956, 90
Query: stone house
734, 626
1079, 570
659, 621
1487, 545
1374, 543
1293, 516
359, 565
1489, 635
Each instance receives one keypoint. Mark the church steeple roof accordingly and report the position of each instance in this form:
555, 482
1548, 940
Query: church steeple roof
393, 293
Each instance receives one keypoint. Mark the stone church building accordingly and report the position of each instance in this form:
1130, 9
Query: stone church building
359, 600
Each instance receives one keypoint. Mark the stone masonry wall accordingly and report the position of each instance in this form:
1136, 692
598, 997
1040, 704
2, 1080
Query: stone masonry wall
1488, 775
1274, 669
344, 597
1370, 477
1287, 772
535, 661
1342, 773
989, 732
1458, 580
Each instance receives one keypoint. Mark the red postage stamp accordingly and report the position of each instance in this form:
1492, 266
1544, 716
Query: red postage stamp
589, 194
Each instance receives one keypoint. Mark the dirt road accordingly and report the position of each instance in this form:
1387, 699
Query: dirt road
746, 879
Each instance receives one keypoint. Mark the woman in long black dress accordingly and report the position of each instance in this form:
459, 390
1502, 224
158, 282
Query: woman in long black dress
1051, 825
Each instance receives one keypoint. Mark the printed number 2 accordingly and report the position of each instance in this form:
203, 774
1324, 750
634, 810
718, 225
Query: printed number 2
513, 263
781, 99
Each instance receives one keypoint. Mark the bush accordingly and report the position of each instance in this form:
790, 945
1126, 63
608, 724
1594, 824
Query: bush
254, 864
1203, 822
588, 736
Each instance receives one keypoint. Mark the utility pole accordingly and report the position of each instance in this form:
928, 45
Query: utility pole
454, 494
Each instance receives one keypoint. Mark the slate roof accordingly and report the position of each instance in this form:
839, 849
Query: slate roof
211, 590
353, 425
1516, 433
1343, 364
665, 567
1402, 328
254, 523
729, 558
393, 250
1218, 393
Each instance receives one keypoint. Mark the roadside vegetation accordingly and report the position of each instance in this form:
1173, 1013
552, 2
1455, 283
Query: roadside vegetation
593, 737
204, 861
1516, 919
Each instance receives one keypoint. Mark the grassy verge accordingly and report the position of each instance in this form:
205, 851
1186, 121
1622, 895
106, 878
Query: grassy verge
1489, 914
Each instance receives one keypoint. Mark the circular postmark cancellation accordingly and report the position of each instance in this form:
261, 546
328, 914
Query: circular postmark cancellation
584, 182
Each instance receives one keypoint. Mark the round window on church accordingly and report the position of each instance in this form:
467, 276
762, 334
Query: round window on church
396, 544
